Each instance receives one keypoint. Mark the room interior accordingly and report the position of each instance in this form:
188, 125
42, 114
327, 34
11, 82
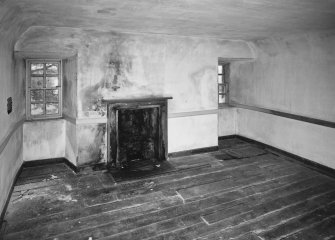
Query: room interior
278, 56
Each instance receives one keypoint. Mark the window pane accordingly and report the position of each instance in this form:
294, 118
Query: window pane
222, 98
51, 68
36, 68
220, 68
219, 78
51, 82
37, 108
51, 95
36, 95
221, 89
52, 108
36, 82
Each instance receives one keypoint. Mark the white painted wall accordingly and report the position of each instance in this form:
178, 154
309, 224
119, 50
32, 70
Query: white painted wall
310, 141
292, 74
11, 124
10, 163
44, 139
71, 149
191, 132
227, 120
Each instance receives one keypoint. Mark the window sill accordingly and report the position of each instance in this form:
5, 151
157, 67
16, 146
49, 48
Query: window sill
44, 119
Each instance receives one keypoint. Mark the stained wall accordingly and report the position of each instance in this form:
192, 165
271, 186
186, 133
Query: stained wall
292, 74
155, 65
11, 86
70, 69
11, 124
115, 65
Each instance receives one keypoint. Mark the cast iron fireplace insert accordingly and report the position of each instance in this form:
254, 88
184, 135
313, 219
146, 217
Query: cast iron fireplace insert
137, 131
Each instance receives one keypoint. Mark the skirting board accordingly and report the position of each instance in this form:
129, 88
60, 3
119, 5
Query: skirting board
193, 151
51, 161
306, 162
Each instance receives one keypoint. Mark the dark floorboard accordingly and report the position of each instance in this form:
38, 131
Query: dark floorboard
243, 191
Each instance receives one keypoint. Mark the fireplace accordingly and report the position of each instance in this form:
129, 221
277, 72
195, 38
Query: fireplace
137, 131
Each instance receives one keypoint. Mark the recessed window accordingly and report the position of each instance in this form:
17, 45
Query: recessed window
223, 75
44, 89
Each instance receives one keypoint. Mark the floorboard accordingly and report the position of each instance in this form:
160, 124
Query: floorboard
243, 191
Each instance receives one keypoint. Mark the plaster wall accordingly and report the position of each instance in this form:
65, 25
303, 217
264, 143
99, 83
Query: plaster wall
310, 141
148, 65
92, 143
227, 118
44, 139
293, 74
11, 124
10, 163
71, 149
157, 65
10, 88
138, 65
70, 68
185, 133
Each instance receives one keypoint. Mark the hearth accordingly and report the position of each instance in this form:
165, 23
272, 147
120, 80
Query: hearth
137, 132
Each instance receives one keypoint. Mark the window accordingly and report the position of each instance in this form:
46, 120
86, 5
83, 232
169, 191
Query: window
223, 73
44, 89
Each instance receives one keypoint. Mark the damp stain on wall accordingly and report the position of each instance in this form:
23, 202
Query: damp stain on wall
112, 65
90, 95
91, 143
115, 70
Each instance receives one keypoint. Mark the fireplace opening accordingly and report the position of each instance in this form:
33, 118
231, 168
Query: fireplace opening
138, 135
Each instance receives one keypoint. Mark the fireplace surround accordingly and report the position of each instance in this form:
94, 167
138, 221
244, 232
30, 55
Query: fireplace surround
137, 131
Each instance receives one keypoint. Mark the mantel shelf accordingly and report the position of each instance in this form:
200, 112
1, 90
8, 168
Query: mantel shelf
141, 99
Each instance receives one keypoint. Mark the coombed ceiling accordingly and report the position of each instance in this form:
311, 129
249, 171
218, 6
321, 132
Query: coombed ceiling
224, 19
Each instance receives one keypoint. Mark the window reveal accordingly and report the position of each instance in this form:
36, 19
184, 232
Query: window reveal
223, 83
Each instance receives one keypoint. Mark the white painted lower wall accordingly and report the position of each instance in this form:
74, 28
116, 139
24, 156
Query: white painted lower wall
10, 163
226, 121
71, 148
58, 138
310, 141
192, 132
43, 139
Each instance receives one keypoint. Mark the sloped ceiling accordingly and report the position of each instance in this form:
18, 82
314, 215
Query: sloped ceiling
226, 19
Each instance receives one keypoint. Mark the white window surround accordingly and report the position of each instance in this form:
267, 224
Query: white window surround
43, 88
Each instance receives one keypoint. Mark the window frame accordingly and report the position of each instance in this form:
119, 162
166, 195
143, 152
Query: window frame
225, 83
29, 116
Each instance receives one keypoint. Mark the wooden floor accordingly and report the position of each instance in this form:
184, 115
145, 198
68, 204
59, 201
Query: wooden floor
240, 192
